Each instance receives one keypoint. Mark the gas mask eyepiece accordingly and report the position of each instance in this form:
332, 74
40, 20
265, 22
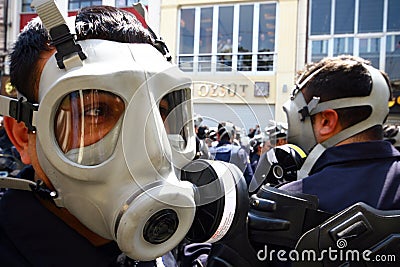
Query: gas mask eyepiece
87, 125
174, 109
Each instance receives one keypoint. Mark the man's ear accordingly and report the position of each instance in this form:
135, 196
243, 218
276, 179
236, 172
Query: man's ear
328, 122
18, 134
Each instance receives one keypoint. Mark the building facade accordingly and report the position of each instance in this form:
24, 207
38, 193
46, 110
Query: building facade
240, 54
249, 51
243, 55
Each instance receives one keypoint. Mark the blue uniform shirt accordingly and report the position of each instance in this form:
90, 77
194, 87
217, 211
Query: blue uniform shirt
225, 151
366, 172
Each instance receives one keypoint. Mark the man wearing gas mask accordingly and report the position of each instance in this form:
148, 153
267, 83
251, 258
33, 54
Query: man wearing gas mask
336, 112
347, 187
105, 120
84, 122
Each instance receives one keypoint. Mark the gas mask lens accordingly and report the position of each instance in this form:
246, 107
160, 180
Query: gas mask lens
87, 125
175, 109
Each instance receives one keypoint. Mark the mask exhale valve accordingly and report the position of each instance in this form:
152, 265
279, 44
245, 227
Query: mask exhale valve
161, 226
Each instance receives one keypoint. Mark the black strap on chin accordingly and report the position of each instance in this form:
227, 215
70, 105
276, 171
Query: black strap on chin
37, 187
43, 191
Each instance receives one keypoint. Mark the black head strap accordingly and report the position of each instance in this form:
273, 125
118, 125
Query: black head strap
159, 42
60, 34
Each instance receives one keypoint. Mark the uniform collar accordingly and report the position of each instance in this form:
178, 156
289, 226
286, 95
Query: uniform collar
370, 150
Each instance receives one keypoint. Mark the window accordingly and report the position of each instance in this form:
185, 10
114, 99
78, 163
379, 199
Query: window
76, 4
129, 3
342, 46
266, 37
319, 50
393, 23
369, 49
356, 27
245, 42
393, 56
186, 44
344, 16
222, 38
371, 16
321, 16
26, 6
205, 41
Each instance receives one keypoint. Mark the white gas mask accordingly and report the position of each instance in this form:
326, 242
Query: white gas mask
96, 111
299, 114
300, 128
114, 130
111, 153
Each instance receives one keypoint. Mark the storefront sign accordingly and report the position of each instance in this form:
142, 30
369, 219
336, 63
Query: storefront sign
259, 89
221, 90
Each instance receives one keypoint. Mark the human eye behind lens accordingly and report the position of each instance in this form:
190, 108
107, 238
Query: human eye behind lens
99, 112
95, 111
99, 106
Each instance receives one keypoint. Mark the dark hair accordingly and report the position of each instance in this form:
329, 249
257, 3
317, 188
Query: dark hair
110, 23
23, 72
341, 77
226, 131
202, 132
96, 22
